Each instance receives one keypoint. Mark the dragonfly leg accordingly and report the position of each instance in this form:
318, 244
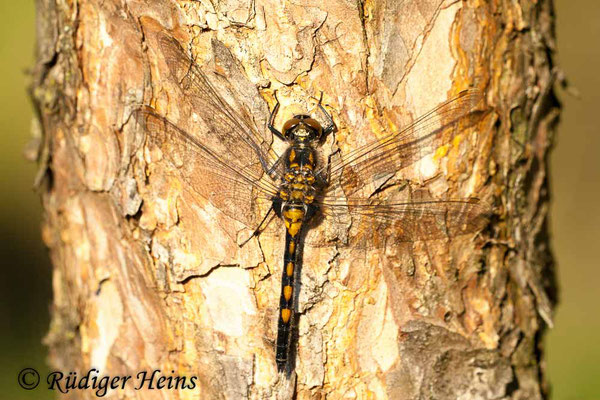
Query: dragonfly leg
272, 172
331, 126
327, 178
272, 119
258, 229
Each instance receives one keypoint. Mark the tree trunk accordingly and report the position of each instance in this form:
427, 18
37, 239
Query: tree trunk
148, 275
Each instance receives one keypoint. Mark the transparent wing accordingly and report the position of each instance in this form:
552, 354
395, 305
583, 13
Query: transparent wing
231, 188
354, 171
371, 223
352, 216
234, 127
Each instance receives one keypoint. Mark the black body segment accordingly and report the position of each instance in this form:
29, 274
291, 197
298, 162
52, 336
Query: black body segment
286, 302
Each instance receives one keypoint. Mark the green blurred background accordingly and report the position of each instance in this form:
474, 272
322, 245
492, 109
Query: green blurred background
572, 347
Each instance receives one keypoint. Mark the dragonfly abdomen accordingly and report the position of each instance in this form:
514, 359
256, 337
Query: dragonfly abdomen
293, 217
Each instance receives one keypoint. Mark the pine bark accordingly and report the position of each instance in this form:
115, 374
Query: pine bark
146, 276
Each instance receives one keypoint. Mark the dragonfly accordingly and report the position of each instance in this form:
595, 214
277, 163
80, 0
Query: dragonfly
232, 164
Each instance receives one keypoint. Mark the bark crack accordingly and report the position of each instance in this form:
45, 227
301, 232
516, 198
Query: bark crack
413, 59
363, 23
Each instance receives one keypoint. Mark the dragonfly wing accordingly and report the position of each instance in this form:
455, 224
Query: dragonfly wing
354, 171
371, 223
233, 188
229, 121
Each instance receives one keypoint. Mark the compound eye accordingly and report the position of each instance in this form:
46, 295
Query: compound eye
314, 124
290, 125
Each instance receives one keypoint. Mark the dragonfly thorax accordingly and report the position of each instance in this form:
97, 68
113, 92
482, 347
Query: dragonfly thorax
298, 184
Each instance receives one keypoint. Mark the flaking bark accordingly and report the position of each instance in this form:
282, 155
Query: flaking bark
148, 275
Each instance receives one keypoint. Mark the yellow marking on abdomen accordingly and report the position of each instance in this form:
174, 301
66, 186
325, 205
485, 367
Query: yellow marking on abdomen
293, 214
292, 246
287, 292
290, 269
293, 228
286, 313
292, 155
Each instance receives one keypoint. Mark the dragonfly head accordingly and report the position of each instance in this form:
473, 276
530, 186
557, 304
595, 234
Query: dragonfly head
302, 128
